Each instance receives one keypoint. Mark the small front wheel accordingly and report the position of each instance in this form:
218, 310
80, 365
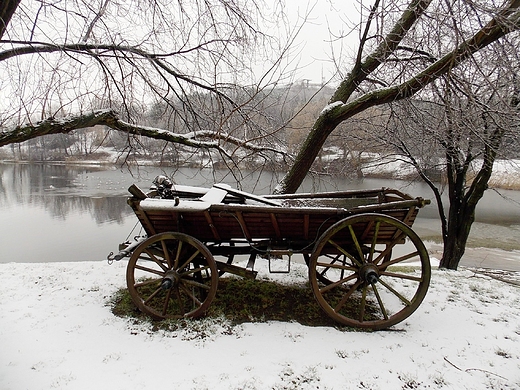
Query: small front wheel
172, 275
377, 271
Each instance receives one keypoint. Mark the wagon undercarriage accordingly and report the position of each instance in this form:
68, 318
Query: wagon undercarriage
367, 267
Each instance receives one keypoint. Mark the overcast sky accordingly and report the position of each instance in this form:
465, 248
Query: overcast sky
314, 41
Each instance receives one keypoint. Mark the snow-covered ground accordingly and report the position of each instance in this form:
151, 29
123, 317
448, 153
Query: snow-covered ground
57, 332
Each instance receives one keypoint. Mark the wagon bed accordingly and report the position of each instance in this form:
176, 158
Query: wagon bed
346, 238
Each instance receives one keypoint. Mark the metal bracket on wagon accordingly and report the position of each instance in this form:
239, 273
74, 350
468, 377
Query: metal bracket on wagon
125, 249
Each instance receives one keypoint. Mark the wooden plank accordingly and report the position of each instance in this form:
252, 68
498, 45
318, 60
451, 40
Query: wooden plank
145, 221
306, 226
368, 229
235, 270
243, 226
212, 225
247, 195
216, 194
276, 228
409, 217
137, 192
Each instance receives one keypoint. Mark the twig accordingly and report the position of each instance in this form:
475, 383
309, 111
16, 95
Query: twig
473, 369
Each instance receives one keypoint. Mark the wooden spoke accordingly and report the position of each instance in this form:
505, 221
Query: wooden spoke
154, 294
399, 259
342, 250
147, 283
389, 247
402, 276
374, 243
338, 266
185, 264
193, 271
191, 296
345, 298
356, 242
338, 283
363, 304
167, 256
196, 284
156, 256
396, 293
166, 302
380, 301
180, 312
177, 256
150, 270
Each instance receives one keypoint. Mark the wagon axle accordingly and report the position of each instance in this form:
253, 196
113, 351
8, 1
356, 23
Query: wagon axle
171, 279
369, 273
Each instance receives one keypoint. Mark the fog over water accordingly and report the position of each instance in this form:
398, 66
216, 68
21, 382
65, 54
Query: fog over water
53, 213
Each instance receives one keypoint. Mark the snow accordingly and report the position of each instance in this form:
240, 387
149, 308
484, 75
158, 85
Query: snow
330, 107
153, 204
57, 332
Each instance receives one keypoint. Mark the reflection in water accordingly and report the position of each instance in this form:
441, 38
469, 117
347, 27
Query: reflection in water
59, 190
78, 213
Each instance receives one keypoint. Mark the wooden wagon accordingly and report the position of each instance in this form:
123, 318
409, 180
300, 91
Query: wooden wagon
367, 267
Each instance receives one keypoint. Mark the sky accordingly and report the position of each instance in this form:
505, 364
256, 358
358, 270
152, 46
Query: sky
315, 45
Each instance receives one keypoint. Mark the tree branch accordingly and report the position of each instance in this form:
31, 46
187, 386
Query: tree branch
360, 72
505, 22
110, 118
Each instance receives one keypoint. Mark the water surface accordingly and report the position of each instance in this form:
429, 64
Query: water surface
52, 213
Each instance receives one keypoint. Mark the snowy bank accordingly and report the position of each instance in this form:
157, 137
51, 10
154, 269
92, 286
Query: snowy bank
57, 332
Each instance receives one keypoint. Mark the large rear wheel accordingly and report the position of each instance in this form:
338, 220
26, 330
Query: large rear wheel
376, 268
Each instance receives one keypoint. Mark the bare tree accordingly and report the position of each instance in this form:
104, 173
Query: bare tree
392, 67
409, 58
469, 114
70, 65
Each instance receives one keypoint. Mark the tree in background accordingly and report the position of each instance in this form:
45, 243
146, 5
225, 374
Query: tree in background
429, 41
72, 65
470, 119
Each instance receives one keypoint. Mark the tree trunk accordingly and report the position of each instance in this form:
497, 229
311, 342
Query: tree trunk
463, 202
461, 218
455, 245
7, 9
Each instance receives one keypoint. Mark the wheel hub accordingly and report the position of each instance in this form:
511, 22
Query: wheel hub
369, 273
171, 279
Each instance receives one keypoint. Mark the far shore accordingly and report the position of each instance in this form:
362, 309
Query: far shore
502, 178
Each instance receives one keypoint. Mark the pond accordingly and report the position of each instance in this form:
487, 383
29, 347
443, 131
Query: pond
57, 213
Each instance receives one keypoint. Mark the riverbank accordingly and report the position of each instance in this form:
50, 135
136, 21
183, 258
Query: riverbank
57, 331
506, 173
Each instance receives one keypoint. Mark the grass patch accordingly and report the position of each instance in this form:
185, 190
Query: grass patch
242, 300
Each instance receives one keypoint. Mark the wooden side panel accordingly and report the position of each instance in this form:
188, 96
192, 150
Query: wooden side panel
255, 223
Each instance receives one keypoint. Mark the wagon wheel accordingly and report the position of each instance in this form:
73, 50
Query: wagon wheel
172, 275
370, 280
